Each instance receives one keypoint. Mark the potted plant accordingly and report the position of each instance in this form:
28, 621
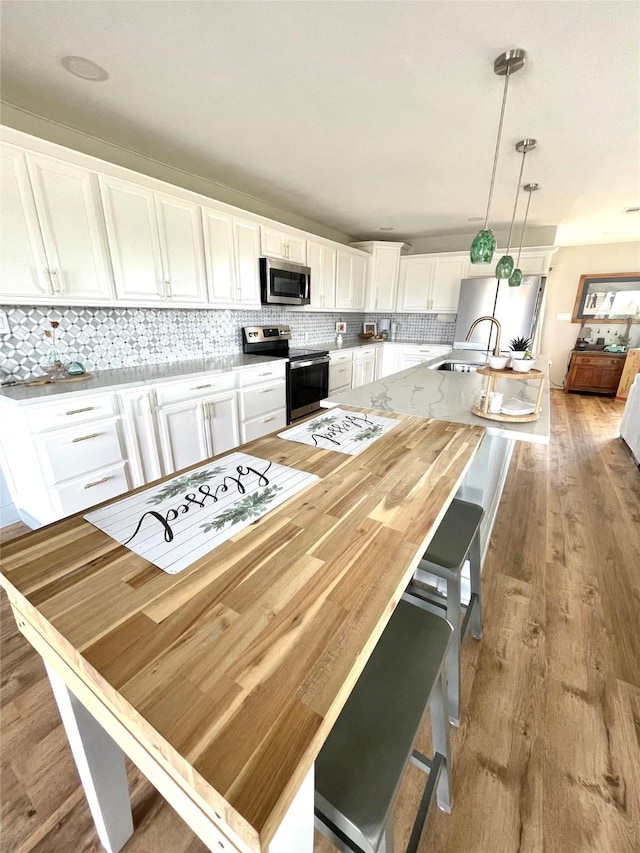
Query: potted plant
518, 347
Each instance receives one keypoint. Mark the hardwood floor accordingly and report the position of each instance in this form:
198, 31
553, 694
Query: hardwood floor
548, 752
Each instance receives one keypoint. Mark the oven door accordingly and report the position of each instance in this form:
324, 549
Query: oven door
308, 384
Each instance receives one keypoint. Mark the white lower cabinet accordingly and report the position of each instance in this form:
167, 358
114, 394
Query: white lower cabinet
63, 456
262, 400
412, 355
140, 434
364, 363
387, 360
340, 371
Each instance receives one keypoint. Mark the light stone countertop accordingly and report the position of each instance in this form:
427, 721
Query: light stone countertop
356, 343
125, 377
448, 396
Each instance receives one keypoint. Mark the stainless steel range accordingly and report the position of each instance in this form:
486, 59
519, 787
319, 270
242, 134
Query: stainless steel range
307, 369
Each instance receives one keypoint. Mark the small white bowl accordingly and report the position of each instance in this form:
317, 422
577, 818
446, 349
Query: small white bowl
523, 365
498, 362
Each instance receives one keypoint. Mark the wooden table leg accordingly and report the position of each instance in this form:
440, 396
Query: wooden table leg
101, 766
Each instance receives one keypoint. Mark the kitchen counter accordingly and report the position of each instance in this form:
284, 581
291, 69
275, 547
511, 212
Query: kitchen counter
448, 396
222, 682
355, 343
125, 377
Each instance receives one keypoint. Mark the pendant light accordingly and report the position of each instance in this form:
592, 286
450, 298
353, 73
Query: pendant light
484, 243
515, 279
505, 265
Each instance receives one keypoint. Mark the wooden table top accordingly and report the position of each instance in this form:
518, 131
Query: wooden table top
230, 674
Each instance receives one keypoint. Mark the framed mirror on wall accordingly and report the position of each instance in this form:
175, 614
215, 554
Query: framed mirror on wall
608, 298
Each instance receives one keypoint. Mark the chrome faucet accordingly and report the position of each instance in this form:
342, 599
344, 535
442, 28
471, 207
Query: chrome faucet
496, 349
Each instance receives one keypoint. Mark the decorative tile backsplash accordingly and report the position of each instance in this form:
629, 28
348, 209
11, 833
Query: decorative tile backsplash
106, 338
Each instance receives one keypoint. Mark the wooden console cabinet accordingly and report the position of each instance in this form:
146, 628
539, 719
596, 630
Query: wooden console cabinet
598, 372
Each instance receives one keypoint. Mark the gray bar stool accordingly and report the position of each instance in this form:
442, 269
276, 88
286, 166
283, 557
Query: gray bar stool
361, 764
457, 537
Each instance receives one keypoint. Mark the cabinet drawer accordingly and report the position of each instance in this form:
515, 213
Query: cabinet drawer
263, 373
193, 389
71, 410
72, 452
263, 425
340, 357
94, 488
598, 360
267, 398
364, 353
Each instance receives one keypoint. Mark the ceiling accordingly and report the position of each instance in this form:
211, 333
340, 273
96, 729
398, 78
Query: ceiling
359, 115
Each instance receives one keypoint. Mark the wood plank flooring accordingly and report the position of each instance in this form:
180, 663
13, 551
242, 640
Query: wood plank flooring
548, 752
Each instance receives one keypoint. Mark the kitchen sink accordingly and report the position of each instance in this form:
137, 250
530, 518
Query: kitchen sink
456, 366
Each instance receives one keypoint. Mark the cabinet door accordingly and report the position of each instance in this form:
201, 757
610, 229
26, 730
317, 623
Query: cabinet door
184, 435
66, 199
221, 420
343, 279
282, 244
383, 279
358, 281
416, 283
246, 239
138, 426
322, 262
23, 263
389, 361
132, 231
340, 376
181, 249
609, 376
218, 245
447, 276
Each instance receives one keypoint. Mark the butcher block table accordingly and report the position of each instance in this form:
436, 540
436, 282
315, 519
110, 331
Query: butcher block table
222, 682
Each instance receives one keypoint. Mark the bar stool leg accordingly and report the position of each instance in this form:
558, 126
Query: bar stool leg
475, 562
440, 734
453, 655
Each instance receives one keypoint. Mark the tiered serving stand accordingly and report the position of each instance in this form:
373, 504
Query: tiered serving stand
493, 377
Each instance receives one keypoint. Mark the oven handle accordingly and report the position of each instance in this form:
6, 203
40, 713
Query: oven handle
294, 365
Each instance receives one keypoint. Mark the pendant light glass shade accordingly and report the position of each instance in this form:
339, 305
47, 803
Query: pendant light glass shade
515, 279
484, 243
505, 265
483, 247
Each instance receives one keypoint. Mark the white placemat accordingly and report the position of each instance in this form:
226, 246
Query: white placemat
346, 432
174, 524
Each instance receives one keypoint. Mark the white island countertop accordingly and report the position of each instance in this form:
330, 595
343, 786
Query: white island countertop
448, 396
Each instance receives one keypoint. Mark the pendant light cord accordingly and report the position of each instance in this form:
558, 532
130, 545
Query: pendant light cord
495, 156
515, 204
524, 225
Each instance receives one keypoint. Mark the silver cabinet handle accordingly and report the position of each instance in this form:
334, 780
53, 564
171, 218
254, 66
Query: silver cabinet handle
168, 288
266, 420
97, 482
85, 437
78, 411
57, 286
267, 391
266, 374
200, 387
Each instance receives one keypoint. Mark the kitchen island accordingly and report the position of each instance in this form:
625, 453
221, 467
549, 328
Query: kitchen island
222, 682
429, 392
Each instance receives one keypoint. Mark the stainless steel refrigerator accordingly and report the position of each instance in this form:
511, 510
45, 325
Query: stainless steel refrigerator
516, 308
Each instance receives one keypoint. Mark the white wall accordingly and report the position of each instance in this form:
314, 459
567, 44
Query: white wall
567, 265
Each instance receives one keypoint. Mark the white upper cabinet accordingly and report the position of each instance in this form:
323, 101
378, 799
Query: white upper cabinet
232, 250
351, 271
283, 244
382, 277
431, 282
532, 262
53, 246
155, 242
321, 259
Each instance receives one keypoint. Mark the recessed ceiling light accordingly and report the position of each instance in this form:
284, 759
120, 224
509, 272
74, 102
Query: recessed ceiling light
631, 209
386, 228
85, 68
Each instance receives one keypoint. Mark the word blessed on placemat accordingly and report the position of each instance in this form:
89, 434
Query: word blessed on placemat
346, 432
175, 523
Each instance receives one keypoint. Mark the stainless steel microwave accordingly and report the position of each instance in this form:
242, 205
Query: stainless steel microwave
283, 283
